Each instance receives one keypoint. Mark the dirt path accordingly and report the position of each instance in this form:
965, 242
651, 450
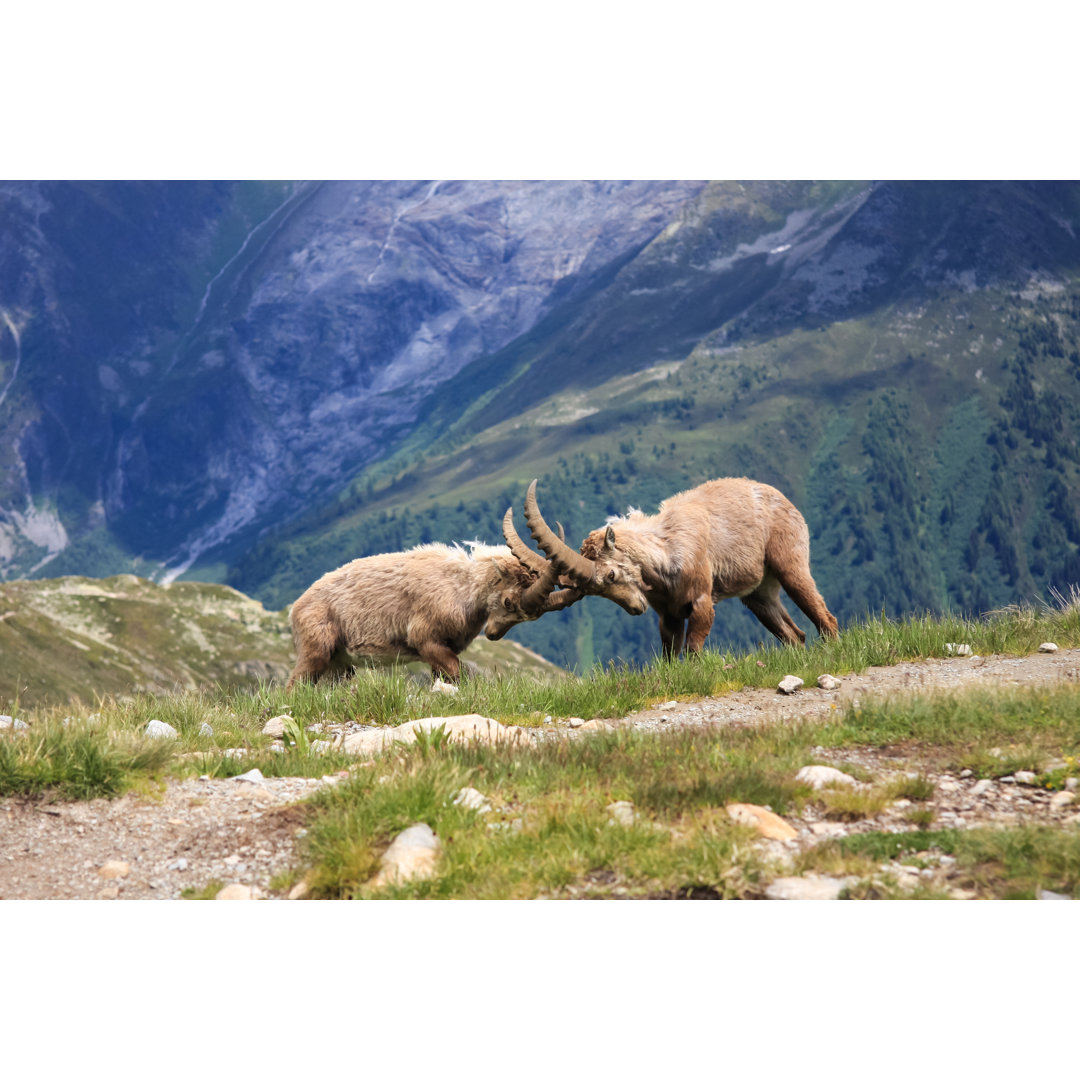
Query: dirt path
234, 830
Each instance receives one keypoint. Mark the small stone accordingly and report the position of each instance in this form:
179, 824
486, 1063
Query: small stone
621, 812
320, 746
965, 773
1060, 799
178, 864
440, 687
828, 682
205, 729
252, 776
819, 776
236, 891
1048, 646
114, 868
957, 649
1008, 779
575, 722
109, 892
1025, 777
299, 890
805, 888
668, 705
1072, 783
597, 725
158, 729
471, 799
547, 720
982, 787
410, 857
768, 824
1046, 894
275, 726
6, 721
789, 684
827, 828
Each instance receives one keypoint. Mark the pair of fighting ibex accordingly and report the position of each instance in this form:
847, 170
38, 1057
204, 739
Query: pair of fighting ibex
730, 537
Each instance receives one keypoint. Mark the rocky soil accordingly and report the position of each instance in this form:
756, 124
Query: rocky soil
244, 831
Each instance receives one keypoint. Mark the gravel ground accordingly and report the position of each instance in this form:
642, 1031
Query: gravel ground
236, 831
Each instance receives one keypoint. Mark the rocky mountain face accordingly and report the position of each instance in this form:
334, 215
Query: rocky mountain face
255, 382
185, 363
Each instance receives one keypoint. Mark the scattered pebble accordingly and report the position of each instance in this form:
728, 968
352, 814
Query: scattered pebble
982, 787
819, 776
472, 799
205, 729
827, 828
236, 891
668, 705
252, 776
441, 687
1072, 783
789, 684
1060, 799
806, 888
828, 682
158, 729
299, 891
1025, 777
956, 649
1046, 894
275, 726
178, 864
114, 868
621, 813
768, 824
108, 892
1048, 646
575, 721
411, 856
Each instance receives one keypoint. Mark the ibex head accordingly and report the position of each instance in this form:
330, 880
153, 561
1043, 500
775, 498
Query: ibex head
602, 568
527, 588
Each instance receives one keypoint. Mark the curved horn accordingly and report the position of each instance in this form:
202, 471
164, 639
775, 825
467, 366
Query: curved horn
536, 595
564, 557
522, 552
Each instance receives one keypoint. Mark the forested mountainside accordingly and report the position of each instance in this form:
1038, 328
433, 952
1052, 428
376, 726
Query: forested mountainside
901, 359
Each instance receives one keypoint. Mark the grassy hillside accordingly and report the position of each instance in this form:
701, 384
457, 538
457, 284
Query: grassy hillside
78, 638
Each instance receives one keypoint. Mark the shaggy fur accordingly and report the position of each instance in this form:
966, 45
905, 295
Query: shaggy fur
425, 604
728, 537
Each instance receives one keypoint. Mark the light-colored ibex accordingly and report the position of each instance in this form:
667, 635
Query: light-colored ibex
729, 537
425, 604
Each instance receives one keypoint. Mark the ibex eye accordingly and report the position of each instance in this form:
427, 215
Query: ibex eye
611, 576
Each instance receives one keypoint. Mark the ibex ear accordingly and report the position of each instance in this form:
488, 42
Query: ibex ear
609, 539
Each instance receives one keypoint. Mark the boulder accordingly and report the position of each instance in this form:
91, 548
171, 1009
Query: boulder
462, 729
412, 856
789, 684
158, 729
1048, 646
806, 888
828, 682
275, 726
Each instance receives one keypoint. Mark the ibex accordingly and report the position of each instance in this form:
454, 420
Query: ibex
729, 537
425, 604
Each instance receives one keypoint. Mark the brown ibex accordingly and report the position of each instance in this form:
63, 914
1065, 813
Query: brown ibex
425, 604
729, 537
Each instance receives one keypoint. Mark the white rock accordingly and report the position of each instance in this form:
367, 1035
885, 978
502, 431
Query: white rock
1060, 799
597, 725
472, 727
158, 729
114, 868
410, 857
957, 649
15, 725
575, 721
1072, 783
440, 687
320, 746
252, 776
827, 828
828, 682
789, 684
236, 891
819, 776
206, 729
472, 799
805, 888
299, 890
982, 787
621, 812
1048, 646
6, 721
1046, 894
668, 705
1025, 777
178, 864
275, 726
